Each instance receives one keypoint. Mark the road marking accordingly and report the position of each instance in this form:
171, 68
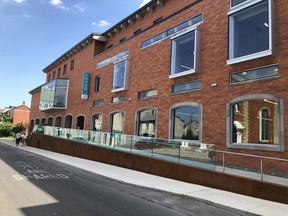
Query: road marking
34, 172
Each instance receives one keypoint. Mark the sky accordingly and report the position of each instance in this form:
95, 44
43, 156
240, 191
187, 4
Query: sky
34, 33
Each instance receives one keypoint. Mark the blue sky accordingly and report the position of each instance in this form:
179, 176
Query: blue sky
36, 32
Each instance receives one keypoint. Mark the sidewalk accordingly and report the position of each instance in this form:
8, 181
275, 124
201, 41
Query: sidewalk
205, 194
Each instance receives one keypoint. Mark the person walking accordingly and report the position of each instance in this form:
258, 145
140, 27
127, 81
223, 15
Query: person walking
18, 137
24, 139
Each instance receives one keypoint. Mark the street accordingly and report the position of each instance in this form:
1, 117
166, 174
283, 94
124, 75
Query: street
33, 185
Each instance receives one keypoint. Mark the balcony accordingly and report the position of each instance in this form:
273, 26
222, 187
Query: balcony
54, 96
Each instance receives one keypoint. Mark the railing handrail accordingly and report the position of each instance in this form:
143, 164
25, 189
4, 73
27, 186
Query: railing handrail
251, 155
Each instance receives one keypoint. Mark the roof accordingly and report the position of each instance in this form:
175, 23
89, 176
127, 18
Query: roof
101, 36
136, 15
74, 49
38, 88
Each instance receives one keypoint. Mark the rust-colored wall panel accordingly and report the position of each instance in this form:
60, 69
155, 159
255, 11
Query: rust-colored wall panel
236, 184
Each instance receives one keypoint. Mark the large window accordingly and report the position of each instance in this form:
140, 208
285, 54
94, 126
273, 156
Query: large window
97, 122
255, 122
80, 122
120, 75
146, 122
68, 121
54, 95
117, 122
185, 54
186, 122
250, 31
58, 121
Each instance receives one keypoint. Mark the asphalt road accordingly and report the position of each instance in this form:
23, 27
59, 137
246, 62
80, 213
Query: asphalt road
33, 185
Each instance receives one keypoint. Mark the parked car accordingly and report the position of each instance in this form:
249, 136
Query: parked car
79, 139
148, 144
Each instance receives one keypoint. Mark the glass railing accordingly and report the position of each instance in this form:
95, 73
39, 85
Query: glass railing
180, 151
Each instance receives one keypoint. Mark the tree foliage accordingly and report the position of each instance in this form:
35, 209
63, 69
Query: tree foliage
7, 129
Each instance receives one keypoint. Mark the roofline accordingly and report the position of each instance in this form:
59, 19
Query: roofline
35, 89
83, 41
98, 36
149, 4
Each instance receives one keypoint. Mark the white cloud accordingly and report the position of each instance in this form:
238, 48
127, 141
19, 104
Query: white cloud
16, 1
144, 3
59, 4
80, 7
103, 23
19, 1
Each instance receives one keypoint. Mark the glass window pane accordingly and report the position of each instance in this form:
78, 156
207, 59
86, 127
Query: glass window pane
183, 53
236, 2
117, 123
146, 123
189, 86
97, 122
118, 99
256, 121
249, 30
254, 74
186, 123
147, 94
119, 75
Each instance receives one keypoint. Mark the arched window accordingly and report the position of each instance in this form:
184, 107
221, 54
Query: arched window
186, 121
264, 125
37, 122
68, 121
50, 121
256, 122
117, 122
97, 122
80, 122
58, 121
43, 121
146, 120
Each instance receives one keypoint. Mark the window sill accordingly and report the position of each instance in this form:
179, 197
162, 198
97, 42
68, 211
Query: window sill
249, 57
257, 147
185, 73
118, 90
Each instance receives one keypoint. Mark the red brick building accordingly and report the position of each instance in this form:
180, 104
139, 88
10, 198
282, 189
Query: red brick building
195, 70
20, 115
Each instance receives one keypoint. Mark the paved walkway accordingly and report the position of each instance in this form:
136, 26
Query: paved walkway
205, 194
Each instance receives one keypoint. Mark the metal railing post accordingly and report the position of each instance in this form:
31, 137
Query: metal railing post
261, 168
223, 163
131, 143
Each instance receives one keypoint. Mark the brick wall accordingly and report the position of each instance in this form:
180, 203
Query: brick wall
150, 69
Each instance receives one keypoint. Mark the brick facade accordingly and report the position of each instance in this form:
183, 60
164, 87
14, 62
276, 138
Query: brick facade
150, 68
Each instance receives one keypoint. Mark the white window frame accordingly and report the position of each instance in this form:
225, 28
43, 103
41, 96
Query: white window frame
197, 47
126, 76
270, 50
261, 122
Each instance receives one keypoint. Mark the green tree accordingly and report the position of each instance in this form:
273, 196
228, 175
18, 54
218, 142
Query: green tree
6, 129
7, 118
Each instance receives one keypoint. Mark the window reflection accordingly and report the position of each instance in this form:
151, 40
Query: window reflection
147, 122
117, 122
186, 122
256, 121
